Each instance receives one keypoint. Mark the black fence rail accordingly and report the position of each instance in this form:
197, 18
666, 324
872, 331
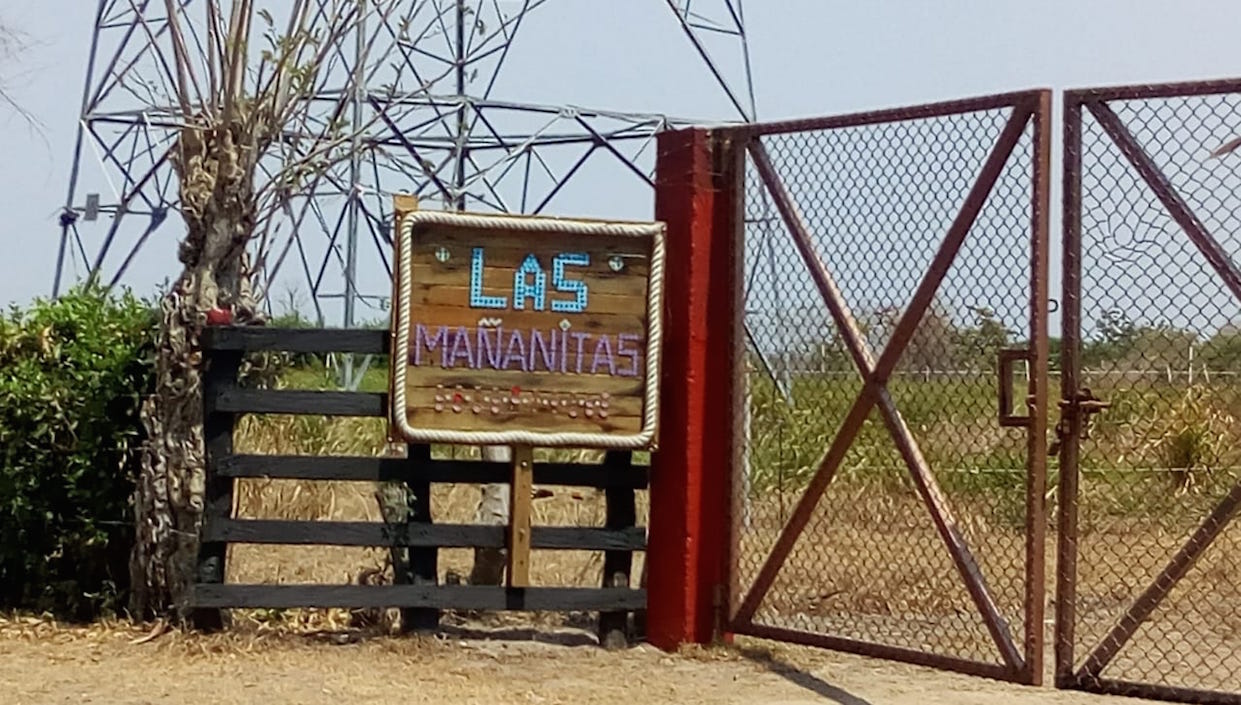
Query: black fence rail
417, 590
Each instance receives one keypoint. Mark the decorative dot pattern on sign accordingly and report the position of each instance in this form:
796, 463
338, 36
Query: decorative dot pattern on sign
497, 401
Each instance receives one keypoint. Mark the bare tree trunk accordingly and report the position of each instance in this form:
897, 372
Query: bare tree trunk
218, 208
493, 508
171, 475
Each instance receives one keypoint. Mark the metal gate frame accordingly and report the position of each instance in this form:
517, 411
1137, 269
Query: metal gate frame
1077, 404
1022, 657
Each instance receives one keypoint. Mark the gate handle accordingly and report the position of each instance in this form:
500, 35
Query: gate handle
1006, 417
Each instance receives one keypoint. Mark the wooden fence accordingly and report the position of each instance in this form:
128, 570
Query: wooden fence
418, 589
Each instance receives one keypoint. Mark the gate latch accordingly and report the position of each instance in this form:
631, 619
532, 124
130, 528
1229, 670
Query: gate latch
1084, 403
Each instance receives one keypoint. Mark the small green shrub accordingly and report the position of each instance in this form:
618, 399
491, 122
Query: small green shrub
73, 372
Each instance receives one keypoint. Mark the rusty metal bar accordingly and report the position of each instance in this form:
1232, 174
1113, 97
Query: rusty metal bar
946, 524
1168, 196
874, 117
852, 424
1141, 609
800, 517
1037, 393
1172, 694
947, 252
874, 650
832, 296
920, 471
1070, 425
1004, 379
876, 372
1153, 91
734, 174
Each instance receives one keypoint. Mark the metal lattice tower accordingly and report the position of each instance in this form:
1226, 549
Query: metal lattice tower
421, 80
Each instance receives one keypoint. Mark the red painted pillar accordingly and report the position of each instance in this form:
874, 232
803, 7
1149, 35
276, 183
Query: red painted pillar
691, 479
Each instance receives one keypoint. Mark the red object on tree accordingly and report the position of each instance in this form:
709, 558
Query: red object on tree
219, 317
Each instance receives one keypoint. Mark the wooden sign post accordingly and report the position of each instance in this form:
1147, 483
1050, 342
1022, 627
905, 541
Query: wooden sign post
521, 496
526, 332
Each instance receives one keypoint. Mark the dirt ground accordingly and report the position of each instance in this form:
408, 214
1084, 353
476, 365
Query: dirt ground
44, 663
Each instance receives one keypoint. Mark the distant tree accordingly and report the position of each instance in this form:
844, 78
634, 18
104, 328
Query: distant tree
978, 346
1222, 351
1121, 344
932, 345
1115, 336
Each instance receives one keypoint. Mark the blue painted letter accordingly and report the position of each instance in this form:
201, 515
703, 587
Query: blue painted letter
477, 298
523, 289
569, 286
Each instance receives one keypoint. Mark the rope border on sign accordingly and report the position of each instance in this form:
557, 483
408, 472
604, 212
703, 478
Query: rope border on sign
654, 310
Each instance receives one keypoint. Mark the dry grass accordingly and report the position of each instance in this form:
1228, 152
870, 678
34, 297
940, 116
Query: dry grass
871, 565
841, 578
357, 501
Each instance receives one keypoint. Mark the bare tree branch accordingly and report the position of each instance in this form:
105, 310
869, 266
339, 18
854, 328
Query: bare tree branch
12, 44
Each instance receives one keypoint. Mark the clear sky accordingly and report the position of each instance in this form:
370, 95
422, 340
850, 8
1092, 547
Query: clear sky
810, 57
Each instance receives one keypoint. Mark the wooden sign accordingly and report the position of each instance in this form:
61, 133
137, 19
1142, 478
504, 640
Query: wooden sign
523, 331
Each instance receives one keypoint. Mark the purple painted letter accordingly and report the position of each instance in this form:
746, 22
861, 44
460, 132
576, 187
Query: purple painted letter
423, 341
631, 354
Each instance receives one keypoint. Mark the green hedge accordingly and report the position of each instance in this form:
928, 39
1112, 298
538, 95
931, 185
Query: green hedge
72, 374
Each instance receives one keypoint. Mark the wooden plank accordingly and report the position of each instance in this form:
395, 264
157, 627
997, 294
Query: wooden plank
508, 260
458, 297
218, 493
593, 323
433, 376
506, 403
350, 533
503, 251
499, 274
454, 597
423, 560
314, 467
467, 338
498, 278
621, 513
464, 239
300, 402
578, 538
372, 469
295, 340
423, 417
521, 496
365, 533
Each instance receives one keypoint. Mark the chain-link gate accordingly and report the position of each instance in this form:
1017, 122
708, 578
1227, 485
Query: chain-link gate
1149, 579
890, 497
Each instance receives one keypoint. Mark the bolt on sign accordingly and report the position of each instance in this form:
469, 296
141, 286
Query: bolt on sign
526, 331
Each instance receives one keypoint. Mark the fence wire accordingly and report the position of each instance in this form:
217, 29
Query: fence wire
1157, 610
877, 200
